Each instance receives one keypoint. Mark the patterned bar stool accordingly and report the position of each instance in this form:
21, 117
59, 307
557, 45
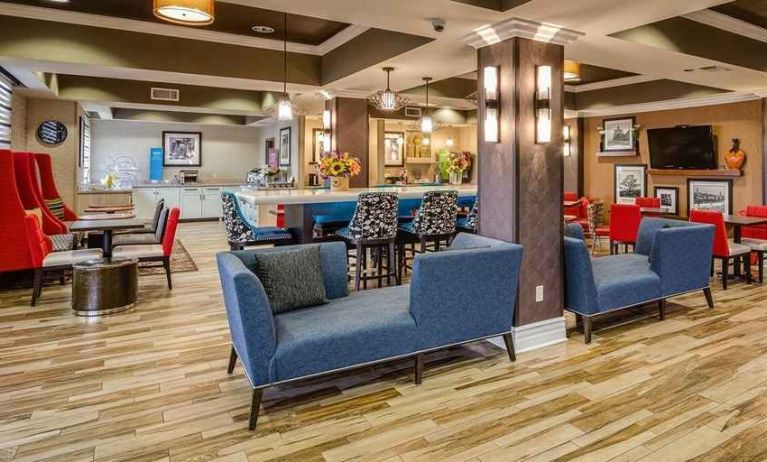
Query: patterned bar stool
434, 223
241, 233
373, 227
469, 223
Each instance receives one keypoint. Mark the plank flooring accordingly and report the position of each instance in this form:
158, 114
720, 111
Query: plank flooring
151, 385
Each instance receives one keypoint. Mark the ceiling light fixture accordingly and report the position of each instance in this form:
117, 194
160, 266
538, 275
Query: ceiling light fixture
426, 123
572, 71
284, 106
388, 100
185, 12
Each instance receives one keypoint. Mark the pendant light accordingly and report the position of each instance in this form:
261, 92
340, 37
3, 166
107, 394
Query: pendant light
426, 123
388, 100
284, 106
185, 12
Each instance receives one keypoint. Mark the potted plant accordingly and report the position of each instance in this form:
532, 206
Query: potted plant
459, 163
339, 167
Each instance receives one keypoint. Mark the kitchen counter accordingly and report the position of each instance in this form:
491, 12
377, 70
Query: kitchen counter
323, 196
201, 184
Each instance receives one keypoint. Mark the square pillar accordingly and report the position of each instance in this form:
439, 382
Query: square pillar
350, 132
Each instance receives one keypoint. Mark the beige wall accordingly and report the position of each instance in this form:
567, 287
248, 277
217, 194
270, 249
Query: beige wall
64, 156
737, 120
18, 122
296, 145
310, 124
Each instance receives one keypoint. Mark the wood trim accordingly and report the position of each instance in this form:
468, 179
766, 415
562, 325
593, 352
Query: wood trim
698, 173
764, 150
581, 156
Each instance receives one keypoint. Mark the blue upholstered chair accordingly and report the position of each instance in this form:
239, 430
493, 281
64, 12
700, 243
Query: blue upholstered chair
240, 233
361, 328
672, 258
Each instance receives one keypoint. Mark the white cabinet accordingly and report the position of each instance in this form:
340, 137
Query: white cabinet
191, 203
195, 202
145, 200
211, 202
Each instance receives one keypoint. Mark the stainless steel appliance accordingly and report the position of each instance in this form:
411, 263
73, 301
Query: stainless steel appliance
188, 176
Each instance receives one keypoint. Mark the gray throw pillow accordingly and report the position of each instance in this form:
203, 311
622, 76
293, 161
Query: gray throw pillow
292, 278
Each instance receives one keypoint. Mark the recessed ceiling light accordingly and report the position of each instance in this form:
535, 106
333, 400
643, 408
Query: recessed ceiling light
262, 29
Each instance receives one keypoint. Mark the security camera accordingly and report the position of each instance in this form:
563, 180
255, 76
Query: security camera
438, 24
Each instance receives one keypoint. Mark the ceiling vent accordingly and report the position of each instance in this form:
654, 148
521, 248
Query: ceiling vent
714, 68
164, 94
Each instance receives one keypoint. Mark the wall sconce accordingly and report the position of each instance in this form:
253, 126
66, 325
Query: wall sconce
326, 121
566, 150
449, 142
543, 105
492, 134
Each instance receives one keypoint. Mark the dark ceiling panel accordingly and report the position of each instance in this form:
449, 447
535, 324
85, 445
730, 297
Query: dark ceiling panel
593, 74
230, 18
645, 92
497, 5
750, 11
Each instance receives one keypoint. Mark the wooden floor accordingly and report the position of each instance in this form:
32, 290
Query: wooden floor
152, 386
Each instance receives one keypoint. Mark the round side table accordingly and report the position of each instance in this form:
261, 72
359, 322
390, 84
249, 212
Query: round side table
104, 286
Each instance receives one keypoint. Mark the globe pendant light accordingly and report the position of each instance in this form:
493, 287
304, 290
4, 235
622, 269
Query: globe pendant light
185, 12
388, 100
284, 106
426, 123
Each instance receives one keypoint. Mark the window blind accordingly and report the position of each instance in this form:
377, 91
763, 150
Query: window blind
6, 93
85, 149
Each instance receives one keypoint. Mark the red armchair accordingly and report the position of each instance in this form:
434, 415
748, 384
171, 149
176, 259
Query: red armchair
755, 237
14, 252
725, 250
624, 226
580, 211
30, 194
50, 193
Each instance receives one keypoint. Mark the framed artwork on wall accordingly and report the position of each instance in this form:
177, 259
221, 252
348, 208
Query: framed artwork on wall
630, 182
394, 149
182, 149
618, 135
669, 199
270, 153
709, 195
284, 148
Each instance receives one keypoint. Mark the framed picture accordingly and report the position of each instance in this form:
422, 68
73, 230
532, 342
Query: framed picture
669, 199
284, 148
710, 195
270, 153
618, 135
182, 149
318, 144
394, 149
630, 182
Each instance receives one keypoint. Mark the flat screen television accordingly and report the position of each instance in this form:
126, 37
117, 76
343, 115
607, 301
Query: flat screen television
682, 147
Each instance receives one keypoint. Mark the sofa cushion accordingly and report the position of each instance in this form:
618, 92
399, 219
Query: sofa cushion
363, 327
292, 278
624, 280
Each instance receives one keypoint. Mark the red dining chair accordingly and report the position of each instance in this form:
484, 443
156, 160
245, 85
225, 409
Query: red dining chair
724, 249
755, 237
571, 196
624, 226
155, 252
653, 202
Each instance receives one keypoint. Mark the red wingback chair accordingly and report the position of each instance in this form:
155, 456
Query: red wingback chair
724, 249
155, 252
653, 202
51, 194
624, 225
757, 231
571, 196
581, 212
30, 194
14, 252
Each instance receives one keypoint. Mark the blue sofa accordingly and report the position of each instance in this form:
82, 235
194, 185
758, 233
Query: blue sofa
671, 258
463, 294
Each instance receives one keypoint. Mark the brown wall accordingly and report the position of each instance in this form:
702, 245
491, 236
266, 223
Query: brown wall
19, 122
737, 120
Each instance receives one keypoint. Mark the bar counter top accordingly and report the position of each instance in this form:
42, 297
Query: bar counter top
323, 196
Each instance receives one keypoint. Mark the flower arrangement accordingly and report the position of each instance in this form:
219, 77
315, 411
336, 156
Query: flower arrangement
339, 164
459, 162
269, 171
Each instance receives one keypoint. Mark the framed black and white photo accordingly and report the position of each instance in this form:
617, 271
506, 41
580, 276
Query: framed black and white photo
618, 135
710, 195
182, 149
630, 182
284, 147
669, 199
394, 149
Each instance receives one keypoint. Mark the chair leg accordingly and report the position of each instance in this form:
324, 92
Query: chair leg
587, 329
509, 341
725, 272
712, 267
358, 266
419, 368
709, 298
166, 264
662, 309
364, 268
37, 286
747, 267
232, 361
760, 258
379, 266
255, 405
393, 269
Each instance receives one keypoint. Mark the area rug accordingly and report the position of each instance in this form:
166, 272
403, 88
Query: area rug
180, 262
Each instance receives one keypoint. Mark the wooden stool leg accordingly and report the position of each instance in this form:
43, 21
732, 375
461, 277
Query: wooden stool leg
725, 272
358, 267
379, 253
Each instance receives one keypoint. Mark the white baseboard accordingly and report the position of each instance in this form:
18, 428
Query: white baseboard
537, 335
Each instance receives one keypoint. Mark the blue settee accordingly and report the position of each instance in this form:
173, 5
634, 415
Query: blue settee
672, 257
456, 296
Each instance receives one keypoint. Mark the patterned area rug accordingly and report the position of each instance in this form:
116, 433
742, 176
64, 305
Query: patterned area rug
180, 262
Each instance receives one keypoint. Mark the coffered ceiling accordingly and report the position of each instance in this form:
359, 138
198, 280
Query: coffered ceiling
750, 11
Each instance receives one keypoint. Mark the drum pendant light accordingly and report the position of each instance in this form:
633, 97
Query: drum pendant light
185, 12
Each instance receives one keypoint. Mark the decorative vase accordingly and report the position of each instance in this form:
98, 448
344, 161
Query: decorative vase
456, 178
339, 183
735, 157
